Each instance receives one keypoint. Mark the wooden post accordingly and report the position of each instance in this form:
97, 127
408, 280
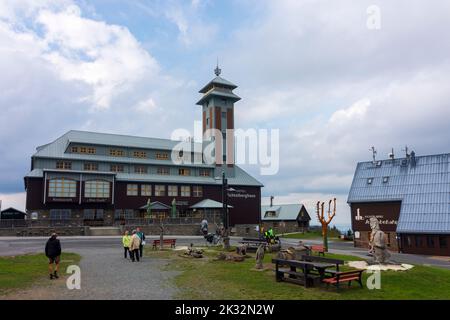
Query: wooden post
325, 222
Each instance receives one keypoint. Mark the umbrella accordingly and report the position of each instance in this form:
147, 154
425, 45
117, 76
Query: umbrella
149, 208
174, 208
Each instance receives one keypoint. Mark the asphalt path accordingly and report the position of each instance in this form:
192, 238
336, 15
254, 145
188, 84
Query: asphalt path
15, 246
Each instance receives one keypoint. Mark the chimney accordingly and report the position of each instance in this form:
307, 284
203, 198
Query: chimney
271, 201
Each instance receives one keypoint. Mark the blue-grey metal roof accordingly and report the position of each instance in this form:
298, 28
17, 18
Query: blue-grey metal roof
219, 93
57, 150
220, 81
283, 212
208, 204
423, 189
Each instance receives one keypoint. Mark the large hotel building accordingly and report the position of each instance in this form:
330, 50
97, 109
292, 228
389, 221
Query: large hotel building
102, 178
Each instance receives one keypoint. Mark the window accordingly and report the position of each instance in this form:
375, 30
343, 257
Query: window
146, 190
64, 165
93, 214
224, 115
430, 241
140, 169
185, 191
160, 190
162, 156
91, 166
183, 172
60, 214
116, 153
173, 191
132, 189
369, 180
163, 171
116, 168
88, 150
74, 149
442, 242
197, 191
140, 154
385, 179
204, 173
96, 189
270, 214
62, 188
129, 213
418, 240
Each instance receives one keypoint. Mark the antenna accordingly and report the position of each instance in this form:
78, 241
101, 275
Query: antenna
392, 155
217, 70
374, 154
406, 151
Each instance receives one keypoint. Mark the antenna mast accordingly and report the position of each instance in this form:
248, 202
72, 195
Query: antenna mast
374, 154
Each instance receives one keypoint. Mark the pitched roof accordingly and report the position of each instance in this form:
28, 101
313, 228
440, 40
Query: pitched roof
208, 204
14, 210
220, 81
282, 212
423, 188
57, 150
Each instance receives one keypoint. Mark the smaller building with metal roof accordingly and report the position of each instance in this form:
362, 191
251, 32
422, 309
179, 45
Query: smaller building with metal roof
285, 217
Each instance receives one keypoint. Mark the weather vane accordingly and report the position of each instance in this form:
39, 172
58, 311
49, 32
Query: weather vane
217, 70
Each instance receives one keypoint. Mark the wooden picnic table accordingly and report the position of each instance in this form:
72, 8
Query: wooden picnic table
303, 276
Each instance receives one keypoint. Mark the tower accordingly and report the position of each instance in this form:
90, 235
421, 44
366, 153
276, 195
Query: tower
218, 117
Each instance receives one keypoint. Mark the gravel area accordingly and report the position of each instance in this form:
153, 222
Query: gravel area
106, 275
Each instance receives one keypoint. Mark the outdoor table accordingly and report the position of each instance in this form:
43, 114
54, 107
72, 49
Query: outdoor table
321, 266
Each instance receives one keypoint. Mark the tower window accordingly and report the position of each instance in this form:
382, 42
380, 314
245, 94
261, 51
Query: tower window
224, 115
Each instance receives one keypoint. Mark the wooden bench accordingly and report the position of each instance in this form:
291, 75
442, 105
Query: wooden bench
319, 249
253, 244
347, 276
299, 272
337, 262
157, 242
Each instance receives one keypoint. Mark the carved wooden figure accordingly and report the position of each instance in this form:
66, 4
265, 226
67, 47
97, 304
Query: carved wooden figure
324, 221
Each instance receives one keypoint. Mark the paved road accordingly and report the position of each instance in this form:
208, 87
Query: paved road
15, 246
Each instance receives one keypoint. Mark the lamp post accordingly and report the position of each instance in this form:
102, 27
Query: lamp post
226, 238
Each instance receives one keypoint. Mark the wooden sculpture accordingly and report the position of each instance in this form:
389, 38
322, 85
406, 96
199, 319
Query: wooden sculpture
325, 222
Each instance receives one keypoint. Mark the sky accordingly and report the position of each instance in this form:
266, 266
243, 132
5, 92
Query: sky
315, 70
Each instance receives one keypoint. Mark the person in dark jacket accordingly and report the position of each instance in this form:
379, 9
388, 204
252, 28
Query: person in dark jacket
53, 252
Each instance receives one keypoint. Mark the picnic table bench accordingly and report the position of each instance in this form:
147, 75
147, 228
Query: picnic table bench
300, 272
157, 242
347, 276
319, 249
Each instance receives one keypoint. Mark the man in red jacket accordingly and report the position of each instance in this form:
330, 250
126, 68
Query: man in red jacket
53, 252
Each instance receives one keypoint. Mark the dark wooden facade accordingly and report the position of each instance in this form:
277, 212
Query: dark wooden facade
388, 214
245, 200
12, 214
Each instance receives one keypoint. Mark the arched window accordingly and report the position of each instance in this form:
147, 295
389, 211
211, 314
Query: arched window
96, 189
62, 188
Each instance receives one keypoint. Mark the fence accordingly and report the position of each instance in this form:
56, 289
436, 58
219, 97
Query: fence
43, 223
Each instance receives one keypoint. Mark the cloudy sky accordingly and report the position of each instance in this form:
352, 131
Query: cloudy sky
312, 69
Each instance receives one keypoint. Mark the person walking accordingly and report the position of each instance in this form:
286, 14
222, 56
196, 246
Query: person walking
135, 242
126, 241
141, 236
53, 253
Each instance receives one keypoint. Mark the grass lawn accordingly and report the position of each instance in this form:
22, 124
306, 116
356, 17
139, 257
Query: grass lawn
209, 279
22, 271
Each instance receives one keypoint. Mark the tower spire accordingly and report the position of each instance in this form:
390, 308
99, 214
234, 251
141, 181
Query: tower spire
217, 70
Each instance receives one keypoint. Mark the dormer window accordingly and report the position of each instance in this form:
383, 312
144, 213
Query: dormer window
140, 154
162, 156
369, 180
116, 153
385, 179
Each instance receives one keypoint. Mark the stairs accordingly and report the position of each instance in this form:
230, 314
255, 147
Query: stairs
103, 231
